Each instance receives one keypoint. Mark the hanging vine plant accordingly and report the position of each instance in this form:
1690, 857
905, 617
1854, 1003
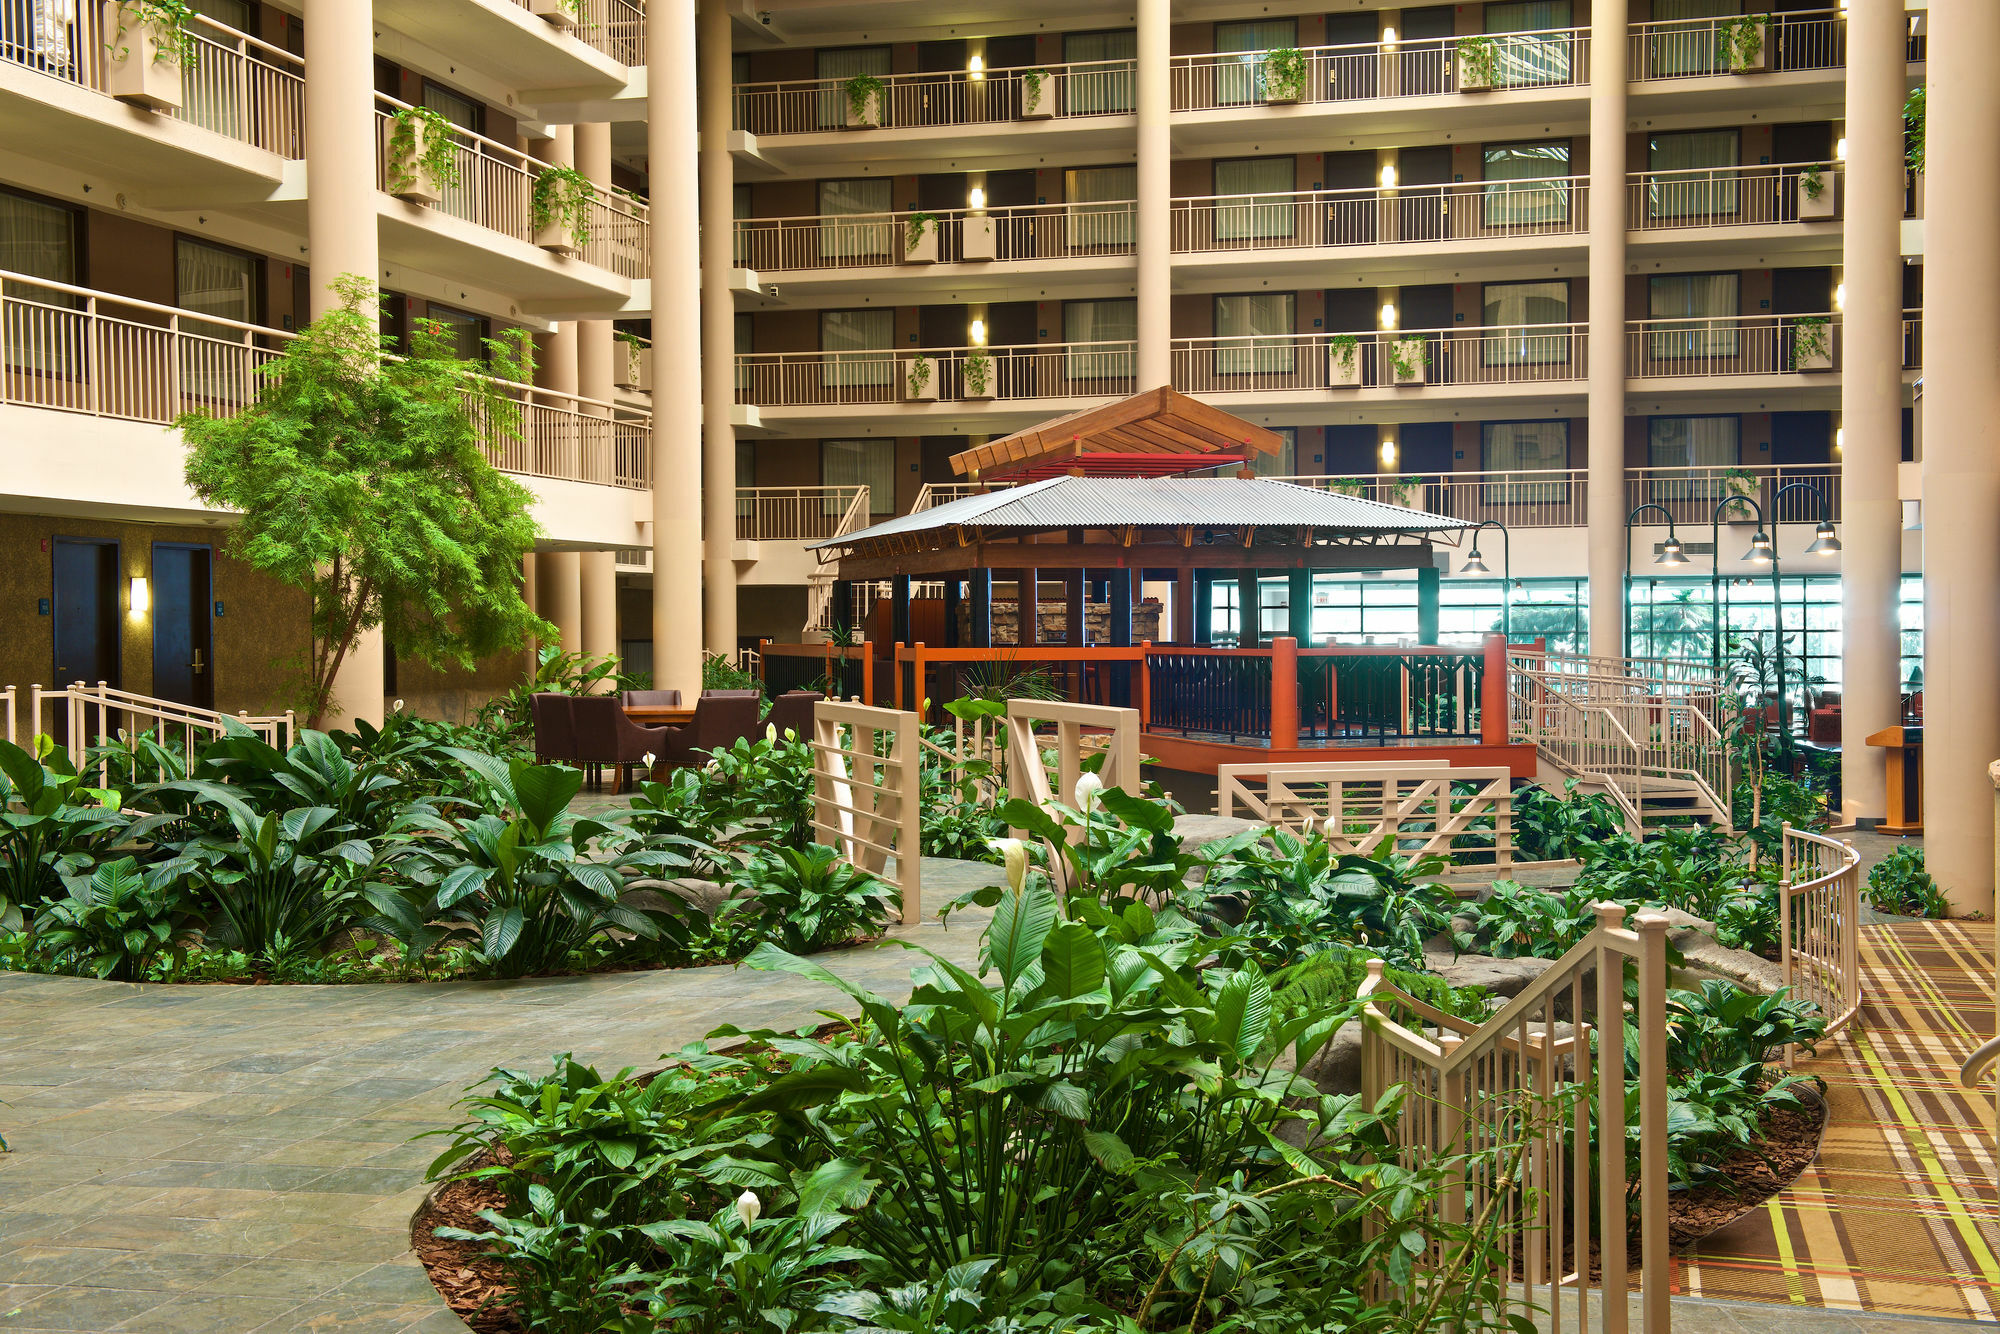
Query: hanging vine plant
172, 23
1284, 74
1813, 180
978, 372
1031, 85
920, 375
1408, 357
438, 160
1478, 61
1740, 40
1810, 340
563, 196
1913, 128
913, 230
859, 90
1344, 348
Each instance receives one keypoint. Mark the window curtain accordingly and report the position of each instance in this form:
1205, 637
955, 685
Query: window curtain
857, 347
1102, 90
1713, 443
1530, 59
1243, 81
1519, 191
1683, 38
1509, 308
1264, 325
466, 331
835, 68
869, 463
871, 234
1684, 298
1101, 322
1706, 183
37, 240
1262, 219
1101, 215
1284, 463
221, 283
1524, 447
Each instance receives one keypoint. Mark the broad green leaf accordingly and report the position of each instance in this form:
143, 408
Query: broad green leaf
1073, 961
1021, 922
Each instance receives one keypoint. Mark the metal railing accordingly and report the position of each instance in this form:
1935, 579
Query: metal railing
495, 189
1542, 498
941, 97
799, 513
1732, 345
1743, 196
878, 240
1469, 211
943, 493
615, 27
572, 438
1550, 58
1691, 494
236, 85
1819, 923
890, 375
1692, 48
1913, 341
1523, 354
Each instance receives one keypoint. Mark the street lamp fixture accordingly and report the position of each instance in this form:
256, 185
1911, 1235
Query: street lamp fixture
1760, 549
1824, 543
1474, 563
1671, 552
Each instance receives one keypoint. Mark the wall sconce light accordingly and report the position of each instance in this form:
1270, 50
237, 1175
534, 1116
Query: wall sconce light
1388, 314
1840, 296
975, 198
1388, 36
1839, 438
977, 329
975, 68
1840, 149
1388, 176
1389, 453
142, 595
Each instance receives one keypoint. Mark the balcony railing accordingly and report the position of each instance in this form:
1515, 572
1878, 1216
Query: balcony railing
1913, 340
1692, 48
877, 240
615, 27
1476, 210
945, 97
1541, 498
70, 349
1523, 354
1552, 58
798, 513
892, 375
237, 86
1745, 196
1691, 494
1732, 345
495, 190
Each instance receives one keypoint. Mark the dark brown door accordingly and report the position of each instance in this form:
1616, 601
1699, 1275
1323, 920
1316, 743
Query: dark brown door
86, 610
183, 632
1353, 76
1350, 217
1422, 174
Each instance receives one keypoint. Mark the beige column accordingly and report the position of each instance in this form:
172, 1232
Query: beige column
340, 230
559, 586
1156, 281
595, 381
1606, 508
1871, 399
1961, 469
718, 338
676, 275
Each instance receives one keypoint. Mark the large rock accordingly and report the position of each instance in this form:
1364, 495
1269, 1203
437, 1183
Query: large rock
704, 896
1502, 977
1198, 831
1706, 959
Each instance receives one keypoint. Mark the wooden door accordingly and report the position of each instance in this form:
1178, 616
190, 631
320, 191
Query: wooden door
183, 631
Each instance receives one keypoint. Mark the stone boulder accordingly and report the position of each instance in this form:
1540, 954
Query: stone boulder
704, 896
1707, 959
1506, 978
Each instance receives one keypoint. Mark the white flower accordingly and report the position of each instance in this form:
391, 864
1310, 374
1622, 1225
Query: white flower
648, 758
1331, 828
399, 706
771, 733
749, 1207
1088, 786
1015, 853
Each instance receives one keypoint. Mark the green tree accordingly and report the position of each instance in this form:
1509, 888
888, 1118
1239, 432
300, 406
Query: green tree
362, 480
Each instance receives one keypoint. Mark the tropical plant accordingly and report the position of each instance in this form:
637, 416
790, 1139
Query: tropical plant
423, 147
364, 797
512, 715
740, 1271
860, 90
1809, 339
562, 197
1478, 61
1913, 127
1301, 895
811, 898
1524, 921
1548, 827
1739, 40
1112, 847
915, 227
1900, 884
1690, 867
1749, 921
763, 786
52, 826
719, 673
566, 1263
115, 925
284, 882
978, 372
1331, 978
1284, 74
920, 374
172, 26
1719, 1026
366, 484
1812, 180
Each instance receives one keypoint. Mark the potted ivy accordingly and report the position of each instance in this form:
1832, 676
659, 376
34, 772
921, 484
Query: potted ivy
564, 14
1343, 362
1404, 491
635, 366
1038, 94
1407, 358
561, 210
1349, 486
1812, 343
1815, 193
977, 373
148, 48
861, 98
1739, 484
1740, 45
420, 159
920, 239
1478, 64
977, 237
1284, 76
919, 380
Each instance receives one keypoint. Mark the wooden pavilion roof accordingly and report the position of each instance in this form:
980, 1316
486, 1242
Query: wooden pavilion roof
1153, 421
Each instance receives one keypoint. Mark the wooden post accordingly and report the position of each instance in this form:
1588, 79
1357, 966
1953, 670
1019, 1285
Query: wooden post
1073, 636
1204, 601
764, 665
1183, 608
868, 671
1493, 693
1284, 693
1249, 616
1651, 1014
1298, 605
979, 589
1028, 605
950, 615
1145, 684
1608, 1074
1120, 598
899, 609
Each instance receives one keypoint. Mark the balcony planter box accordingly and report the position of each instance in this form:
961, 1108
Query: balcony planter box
1474, 67
978, 239
1038, 96
976, 376
1411, 352
1822, 209
919, 379
416, 184
557, 12
635, 369
142, 65
870, 115
924, 249
1343, 367
1737, 59
557, 237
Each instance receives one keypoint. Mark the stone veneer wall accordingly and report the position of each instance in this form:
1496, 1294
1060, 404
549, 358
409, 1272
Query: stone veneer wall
1053, 619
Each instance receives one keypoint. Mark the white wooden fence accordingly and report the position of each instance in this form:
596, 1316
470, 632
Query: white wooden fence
868, 793
82, 716
1379, 808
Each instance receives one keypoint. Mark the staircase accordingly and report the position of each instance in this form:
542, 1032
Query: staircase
1641, 731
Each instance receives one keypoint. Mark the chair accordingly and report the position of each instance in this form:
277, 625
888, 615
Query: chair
604, 735
793, 711
668, 699
555, 729
720, 718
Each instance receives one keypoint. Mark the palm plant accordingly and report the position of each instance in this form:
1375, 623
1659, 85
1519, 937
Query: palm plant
52, 826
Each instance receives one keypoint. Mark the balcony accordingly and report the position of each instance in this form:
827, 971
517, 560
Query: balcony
1768, 206
242, 113
585, 53
995, 118
773, 524
482, 231
980, 255
1734, 347
1691, 494
1740, 63
994, 387
1411, 231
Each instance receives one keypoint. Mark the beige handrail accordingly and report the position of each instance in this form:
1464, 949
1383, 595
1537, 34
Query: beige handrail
1819, 923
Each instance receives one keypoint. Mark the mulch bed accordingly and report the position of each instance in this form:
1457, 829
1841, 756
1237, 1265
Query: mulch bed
473, 1284
1791, 1142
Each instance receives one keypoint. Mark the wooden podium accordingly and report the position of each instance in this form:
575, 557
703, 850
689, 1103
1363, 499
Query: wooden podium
1906, 778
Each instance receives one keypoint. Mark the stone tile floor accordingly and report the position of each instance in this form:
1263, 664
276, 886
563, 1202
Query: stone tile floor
225, 1159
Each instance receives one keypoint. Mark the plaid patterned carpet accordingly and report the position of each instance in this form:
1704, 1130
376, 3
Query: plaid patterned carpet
1900, 1214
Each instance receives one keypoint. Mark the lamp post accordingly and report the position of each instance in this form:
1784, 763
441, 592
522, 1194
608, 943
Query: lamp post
1824, 543
1672, 554
1476, 564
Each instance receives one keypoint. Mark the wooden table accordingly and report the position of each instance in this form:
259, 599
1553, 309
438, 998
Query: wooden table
660, 715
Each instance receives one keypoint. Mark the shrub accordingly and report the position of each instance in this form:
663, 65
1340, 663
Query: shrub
1900, 884
1301, 896
809, 899
284, 882
1749, 921
52, 826
1522, 921
765, 784
113, 925
1690, 867
1548, 827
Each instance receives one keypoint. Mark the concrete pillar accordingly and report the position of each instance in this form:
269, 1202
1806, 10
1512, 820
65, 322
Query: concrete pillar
1155, 195
340, 228
559, 586
1961, 471
676, 270
1605, 515
1871, 398
596, 382
718, 337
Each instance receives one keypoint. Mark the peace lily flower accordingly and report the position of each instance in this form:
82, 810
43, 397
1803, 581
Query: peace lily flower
749, 1207
399, 706
1331, 827
1088, 787
1015, 854
648, 758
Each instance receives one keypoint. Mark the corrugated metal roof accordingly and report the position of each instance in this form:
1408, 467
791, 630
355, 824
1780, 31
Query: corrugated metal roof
1160, 502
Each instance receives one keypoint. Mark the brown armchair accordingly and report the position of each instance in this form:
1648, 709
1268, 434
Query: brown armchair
720, 718
555, 732
793, 712
666, 699
604, 735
